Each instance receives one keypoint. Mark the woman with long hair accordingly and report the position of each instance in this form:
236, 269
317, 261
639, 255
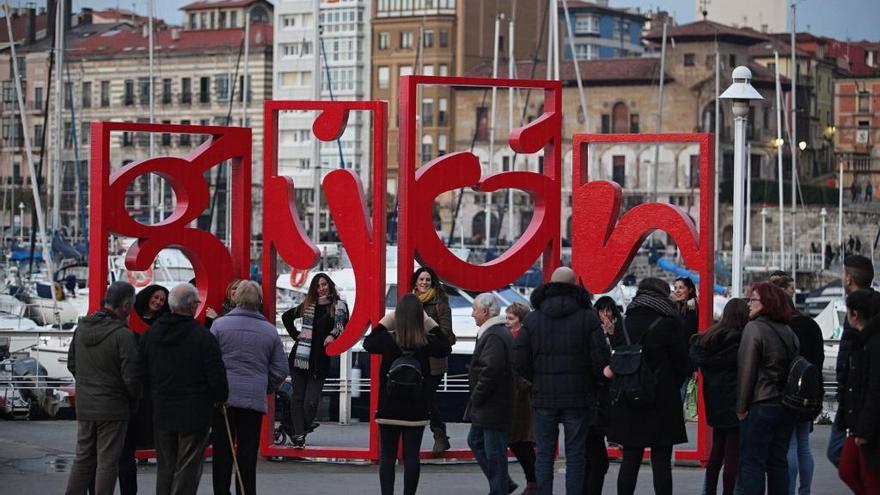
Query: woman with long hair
714, 352
766, 351
401, 416
323, 315
520, 438
860, 403
151, 303
425, 284
611, 320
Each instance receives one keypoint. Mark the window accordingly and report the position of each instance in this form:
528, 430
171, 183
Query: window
427, 148
166, 137
444, 39
38, 135
127, 139
406, 70
384, 76
68, 93
766, 116
441, 145
166, 91
38, 97
427, 111
242, 88
619, 117
586, 51
482, 123
128, 94
105, 93
634, 123
428, 39
695, 171
731, 60
606, 123
618, 169
442, 112
444, 70
384, 40
86, 132
192, 21
86, 94
688, 59
428, 70
233, 19
221, 87
864, 99
144, 90
586, 24
297, 49
204, 90
185, 90
221, 22
184, 139
406, 39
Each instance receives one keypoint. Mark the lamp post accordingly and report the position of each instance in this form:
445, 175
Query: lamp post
764, 236
21, 221
822, 214
741, 92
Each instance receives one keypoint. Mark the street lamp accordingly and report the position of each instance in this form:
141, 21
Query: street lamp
802, 145
823, 213
741, 92
764, 236
21, 221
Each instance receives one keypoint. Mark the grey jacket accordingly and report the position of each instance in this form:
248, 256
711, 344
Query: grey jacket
765, 354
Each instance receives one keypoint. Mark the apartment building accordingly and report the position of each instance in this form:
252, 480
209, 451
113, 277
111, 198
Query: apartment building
600, 31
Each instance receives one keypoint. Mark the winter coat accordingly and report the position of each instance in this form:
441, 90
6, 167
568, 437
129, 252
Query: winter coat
103, 359
763, 361
186, 373
601, 411
812, 343
553, 350
718, 363
323, 325
491, 378
521, 426
690, 321
860, 403
403, 412
439, 310
662, 423
253, 356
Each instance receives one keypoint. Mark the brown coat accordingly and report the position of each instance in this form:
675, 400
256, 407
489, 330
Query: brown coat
440, 312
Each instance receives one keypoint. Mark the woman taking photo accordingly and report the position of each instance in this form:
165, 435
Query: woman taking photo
860, 402
765, 353
611, 321
714, 352
520, 438
324, 315
427, 287
402, 417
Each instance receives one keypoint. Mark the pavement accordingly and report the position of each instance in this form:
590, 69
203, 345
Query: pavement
35, 457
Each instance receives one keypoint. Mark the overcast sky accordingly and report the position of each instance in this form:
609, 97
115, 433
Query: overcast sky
856, 19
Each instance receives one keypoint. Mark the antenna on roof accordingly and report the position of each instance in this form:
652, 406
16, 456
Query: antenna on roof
704, 4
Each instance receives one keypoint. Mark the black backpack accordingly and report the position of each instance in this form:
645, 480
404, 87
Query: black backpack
634, 382
803, 390
405, 379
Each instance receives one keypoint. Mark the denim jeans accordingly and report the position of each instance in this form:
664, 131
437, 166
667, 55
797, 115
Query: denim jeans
546, 429
835, 444
800, 459
764, 438
490, 450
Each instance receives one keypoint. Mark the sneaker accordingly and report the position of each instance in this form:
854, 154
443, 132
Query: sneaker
298, 441
312, 427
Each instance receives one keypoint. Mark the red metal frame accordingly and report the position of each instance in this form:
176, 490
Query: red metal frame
604, 242
283, 236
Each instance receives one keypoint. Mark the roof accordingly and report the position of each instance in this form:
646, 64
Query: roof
218, 4
121, 15
123, 39
578, 4
764, 77
766, 48
708, 31
601, 72
20, 26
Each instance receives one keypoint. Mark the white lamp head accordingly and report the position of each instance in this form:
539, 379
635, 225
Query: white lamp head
802, 145
741, 89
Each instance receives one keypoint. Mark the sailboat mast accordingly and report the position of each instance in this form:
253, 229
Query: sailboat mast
59, 109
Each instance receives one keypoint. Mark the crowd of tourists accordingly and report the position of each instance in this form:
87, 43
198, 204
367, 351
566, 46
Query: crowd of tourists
604, 377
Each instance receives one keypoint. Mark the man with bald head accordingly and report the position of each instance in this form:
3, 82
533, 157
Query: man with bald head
188, 378
555, 351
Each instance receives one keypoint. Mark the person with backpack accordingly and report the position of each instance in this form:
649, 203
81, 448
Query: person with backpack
647, 371
403, 410
860, 403
765, 356
714, 352
492, 393
812, 348
425, 284
554, 351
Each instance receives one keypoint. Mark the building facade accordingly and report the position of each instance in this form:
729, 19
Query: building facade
857, 134
600, 31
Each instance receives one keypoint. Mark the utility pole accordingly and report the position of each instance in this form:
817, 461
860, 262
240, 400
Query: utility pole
794, 141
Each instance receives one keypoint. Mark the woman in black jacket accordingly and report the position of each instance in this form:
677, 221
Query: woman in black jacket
860, 402
653, 321
597, 452
324, 315
151, 303
714, 352
403, 417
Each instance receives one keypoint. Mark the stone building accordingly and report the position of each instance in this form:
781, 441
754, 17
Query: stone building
857, 134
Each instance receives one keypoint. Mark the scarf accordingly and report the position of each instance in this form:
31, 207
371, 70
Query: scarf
304, 342
425, 297
495, 320
653, 301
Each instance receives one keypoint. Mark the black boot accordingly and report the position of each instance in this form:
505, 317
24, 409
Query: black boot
441, 441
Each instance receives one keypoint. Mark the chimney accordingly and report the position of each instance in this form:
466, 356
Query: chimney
87, 13
31, 25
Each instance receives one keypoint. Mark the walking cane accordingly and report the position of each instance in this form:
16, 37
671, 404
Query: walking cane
232, 449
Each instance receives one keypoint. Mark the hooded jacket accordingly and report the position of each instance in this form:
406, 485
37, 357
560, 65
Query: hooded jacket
554, 349
186, 373
104, 360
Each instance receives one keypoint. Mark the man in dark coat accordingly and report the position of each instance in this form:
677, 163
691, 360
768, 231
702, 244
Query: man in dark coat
554, 351
188, 378
492, 397
104, 360
858, 273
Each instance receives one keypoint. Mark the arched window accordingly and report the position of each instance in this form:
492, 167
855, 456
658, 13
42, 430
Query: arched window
478, 227
620, 118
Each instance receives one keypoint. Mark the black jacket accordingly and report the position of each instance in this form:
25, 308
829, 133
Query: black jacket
764, 358
600, 416
397, 412
665, 353
812, 344
186, 373
553, 350
860, 403
323, 325
491, 378
718, 363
